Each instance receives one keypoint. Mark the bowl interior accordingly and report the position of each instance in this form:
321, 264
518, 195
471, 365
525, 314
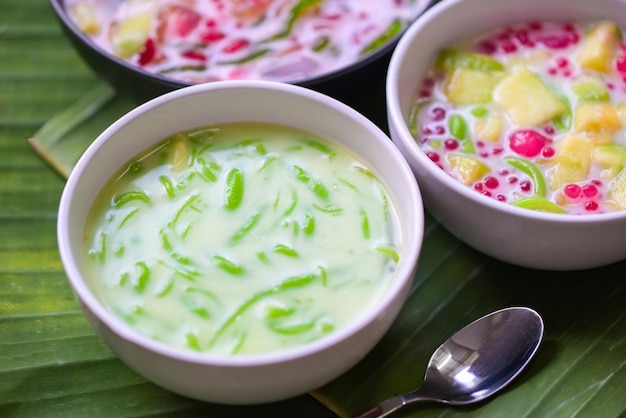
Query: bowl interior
339, 82
454, 20
223, 102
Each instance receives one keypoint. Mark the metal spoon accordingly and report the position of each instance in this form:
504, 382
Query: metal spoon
474, 363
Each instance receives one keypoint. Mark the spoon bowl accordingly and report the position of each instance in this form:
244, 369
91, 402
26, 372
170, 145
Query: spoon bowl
476, 362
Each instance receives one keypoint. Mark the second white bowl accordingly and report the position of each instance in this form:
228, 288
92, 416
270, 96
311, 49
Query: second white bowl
519, 236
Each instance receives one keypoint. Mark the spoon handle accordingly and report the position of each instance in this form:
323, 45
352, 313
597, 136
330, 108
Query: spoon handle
386, 407
373, 412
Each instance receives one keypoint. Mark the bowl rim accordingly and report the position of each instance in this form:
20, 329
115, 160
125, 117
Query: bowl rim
402, 277
326, 77
398, 121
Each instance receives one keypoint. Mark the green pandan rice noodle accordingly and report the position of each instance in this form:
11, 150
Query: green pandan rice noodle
242, 238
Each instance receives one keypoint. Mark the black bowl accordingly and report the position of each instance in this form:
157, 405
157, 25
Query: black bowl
355, 84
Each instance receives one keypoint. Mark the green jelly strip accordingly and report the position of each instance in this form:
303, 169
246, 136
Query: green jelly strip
193, 342
308, 225
282, 219
386, 206
564, 121
143, 276
392, 30
286, 251
296, 228
295, 13
321, 43
292, 205
182, 183
263, 258
168, 185
365, 224
128, 216
389, 251
366, 172
323, 148
119, 251
323, 275
384, 197
269, 160
183, 68
124, 279
187, 205
255, 143
124, 198
190, 275
251, 57
459, 129
240, 340
246, 229
227, 265
167, 287
233, 192
479, 112
314, 185
276, 201
260, 149
349, 184
326, 327
167, 246
274, 312
467, 146
331, 209
206, 170
292, 328
539, 204
196, 307
289, 283
531, 170
413, 117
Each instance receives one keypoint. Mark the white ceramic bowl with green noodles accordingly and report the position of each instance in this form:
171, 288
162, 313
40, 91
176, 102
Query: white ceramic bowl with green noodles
256, 241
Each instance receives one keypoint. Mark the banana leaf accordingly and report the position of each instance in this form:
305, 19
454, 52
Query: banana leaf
52, 363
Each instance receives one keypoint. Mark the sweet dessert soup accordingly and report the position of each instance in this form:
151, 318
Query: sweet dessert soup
242, 238
208, 40
532, 115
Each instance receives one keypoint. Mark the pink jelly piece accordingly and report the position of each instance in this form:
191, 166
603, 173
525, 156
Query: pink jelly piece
590, 190
620, 64
186, 20
527, 142
147, 53
572, 191
491, 182
194, 55
556, 42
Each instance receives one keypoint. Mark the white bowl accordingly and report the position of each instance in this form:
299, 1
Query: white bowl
240, 379
519, 236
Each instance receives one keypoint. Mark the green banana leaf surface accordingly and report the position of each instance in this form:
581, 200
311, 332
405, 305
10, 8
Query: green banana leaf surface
53, 365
